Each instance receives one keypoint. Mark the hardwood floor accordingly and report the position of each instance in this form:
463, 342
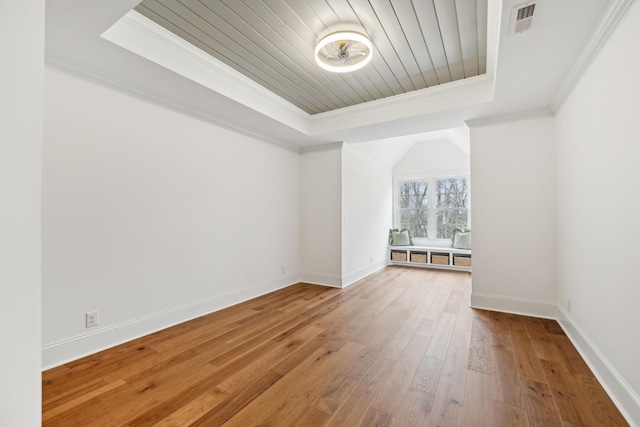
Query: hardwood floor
399, 348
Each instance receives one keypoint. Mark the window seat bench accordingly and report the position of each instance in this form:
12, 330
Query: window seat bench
442, 257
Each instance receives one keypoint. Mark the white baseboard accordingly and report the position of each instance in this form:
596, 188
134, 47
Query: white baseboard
624, 397
58, 353
526, 307
331, 280
353, 277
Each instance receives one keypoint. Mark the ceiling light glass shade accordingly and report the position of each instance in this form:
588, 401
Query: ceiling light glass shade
343, 52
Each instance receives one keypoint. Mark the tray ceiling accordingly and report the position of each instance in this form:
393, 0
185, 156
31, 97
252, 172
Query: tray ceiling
417, 44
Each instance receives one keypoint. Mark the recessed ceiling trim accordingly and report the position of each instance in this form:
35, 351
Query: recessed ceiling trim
144, 37
461, 93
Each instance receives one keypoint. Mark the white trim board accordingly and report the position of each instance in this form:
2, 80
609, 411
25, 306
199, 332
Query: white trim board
58, 353
623, 396
516, 116
522, 306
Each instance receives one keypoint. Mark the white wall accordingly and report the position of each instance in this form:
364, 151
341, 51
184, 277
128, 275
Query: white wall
367, 214
439, 157
21, 89
598, 134
321, 216
152, 217
514, 216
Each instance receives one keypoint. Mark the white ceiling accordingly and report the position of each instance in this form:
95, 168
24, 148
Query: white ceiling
523, 71
416, 44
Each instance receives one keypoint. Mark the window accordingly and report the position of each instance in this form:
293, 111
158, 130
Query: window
431, 207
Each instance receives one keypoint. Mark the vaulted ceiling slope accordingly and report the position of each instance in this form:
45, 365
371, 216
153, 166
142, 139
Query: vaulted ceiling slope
406, 91
416, 44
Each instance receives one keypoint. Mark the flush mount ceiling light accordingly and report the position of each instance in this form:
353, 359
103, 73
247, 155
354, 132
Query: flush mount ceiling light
343, 52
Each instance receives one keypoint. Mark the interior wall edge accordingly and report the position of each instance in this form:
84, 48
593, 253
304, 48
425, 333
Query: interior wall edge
64, 351
623, 396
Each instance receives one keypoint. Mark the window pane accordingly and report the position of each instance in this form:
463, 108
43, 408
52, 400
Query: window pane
413, 194
452, 193
415, 220
448, 219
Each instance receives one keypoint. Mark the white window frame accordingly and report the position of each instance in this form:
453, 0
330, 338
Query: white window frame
431, 180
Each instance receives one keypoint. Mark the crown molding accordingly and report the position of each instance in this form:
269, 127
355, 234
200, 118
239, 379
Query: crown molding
323, 147
93, 75
510, 117
606, 25
460, 93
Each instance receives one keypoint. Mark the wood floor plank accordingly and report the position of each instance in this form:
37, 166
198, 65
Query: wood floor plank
229, 407
191, 411
428, 374
333, 395
570, 356
507, 388
288, 398
245, 371
205, 385
71, 393
478, 409
374, 417
539, 404
500, 341
352, 410
439, 343
600, 404
562, 385
449, 399
51, 416
402, 376
480, 349
527, 362
506, 415
415, 409
400, 347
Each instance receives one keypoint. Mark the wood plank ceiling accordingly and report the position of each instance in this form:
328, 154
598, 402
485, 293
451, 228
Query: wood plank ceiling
416, 44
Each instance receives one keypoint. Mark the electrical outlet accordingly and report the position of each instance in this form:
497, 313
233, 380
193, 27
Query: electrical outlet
282, 269
370, 260
569, 305
92, 319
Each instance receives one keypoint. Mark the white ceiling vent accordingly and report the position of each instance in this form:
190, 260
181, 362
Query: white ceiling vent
522, 17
